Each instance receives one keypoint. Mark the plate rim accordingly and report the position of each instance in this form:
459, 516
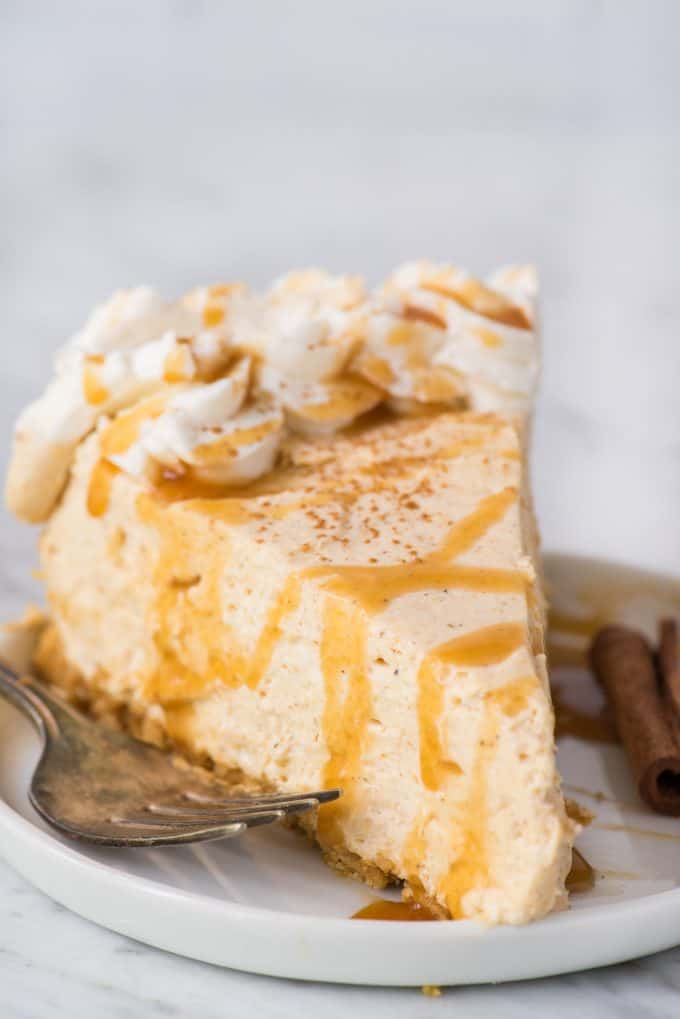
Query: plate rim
451, 927
361, 959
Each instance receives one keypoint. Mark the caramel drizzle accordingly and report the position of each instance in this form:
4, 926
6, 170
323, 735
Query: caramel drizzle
195, 648
471, 866
285, 603
348, 398
465, 534
474, 296
228, 446
345, 718
117, 438
432, 384
93, 391
479, 649
435, 767
414, 313
213, 314
175, 363
99, 487
513, 697
375, 587
487, 337
377, 369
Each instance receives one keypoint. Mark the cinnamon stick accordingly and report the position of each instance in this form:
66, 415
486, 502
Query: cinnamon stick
623, 662
669, 663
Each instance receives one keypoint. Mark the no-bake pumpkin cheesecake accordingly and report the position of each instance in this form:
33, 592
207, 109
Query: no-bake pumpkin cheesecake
291, 535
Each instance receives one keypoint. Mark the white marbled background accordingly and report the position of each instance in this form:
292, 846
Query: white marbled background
178, 142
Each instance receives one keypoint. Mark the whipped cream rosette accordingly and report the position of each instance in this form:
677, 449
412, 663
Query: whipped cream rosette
485, 332
214, 381
200, 431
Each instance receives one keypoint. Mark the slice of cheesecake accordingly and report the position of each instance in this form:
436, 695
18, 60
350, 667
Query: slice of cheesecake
353, 604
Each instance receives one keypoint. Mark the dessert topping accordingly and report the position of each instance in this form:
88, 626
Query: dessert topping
238, 369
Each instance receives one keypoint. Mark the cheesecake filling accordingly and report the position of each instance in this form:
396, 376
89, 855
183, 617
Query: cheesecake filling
371, 620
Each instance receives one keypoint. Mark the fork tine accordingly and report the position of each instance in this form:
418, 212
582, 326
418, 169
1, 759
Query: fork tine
123, 833
160, 837
219, 811
158, 820
255, 820
324, 796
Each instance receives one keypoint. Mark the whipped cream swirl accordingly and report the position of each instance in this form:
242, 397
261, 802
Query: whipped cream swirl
210, 385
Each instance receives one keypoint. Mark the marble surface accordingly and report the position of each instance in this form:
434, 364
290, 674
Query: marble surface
52, 963
172, 143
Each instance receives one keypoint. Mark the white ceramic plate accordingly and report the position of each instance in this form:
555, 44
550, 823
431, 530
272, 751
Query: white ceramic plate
266, 903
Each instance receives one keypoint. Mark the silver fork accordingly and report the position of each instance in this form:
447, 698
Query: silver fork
101, 786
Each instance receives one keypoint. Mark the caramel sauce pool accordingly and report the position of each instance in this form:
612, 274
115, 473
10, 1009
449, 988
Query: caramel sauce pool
596, 726
581, 877
385, 909
586, 594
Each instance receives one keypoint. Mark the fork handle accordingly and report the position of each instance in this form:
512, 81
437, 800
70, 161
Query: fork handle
29, 699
